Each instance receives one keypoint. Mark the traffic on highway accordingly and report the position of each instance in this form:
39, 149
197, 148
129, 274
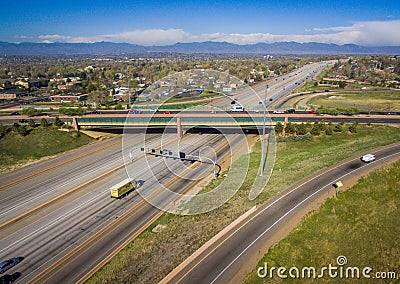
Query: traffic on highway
64, 217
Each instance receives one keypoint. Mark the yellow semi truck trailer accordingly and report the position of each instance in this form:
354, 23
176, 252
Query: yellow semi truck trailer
123, 188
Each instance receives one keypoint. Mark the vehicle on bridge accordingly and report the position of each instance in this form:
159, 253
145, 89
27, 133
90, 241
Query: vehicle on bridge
123, 188
237, 109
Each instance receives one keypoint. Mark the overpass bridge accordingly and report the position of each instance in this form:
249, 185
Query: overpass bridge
178, 121
189, 120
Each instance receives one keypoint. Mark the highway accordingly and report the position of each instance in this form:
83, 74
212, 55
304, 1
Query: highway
230, 257
58, 213
59, 216
278, 88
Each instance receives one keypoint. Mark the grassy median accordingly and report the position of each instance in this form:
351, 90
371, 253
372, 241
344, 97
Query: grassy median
361, 224
152, 256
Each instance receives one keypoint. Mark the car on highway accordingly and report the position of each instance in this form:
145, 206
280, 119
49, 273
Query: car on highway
14, 113
291, 110
7, 264
368, 158
135, 111
313, 111
237, 109
7, 278
167, 112
153, 110
278, 111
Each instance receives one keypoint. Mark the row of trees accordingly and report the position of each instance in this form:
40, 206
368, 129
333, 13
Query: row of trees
314, 129
25, 129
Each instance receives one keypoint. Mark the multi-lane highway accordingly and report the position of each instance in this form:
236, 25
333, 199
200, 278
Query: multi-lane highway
58, 213
278, 88
230, 257
59, 216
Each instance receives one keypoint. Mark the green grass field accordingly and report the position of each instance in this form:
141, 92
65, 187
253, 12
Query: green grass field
361, 224
363, 101
40, 142
152, 256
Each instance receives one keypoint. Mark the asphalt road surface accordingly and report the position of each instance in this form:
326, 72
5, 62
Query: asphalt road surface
59, 216
237, 252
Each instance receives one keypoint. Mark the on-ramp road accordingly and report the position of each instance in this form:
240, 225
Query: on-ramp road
229, 258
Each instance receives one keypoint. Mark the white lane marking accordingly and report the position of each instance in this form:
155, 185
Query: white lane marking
283, 216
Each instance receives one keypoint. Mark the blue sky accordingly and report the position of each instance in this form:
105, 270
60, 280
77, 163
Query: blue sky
167, 22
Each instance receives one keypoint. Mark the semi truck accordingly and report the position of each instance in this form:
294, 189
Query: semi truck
123, 188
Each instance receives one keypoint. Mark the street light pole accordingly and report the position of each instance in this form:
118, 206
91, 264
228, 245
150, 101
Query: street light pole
211, 160
129, 89
265, 119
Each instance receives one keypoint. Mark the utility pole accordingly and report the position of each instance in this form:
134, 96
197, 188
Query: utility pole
265, 119
129, 89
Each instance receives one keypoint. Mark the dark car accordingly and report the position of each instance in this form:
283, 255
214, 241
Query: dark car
7, 264
292, 110
15, 113
7, 278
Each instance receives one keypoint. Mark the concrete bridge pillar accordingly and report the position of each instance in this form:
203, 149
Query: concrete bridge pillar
75, 125
286, 121
179, 127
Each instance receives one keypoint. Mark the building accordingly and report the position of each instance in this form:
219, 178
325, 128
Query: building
70, 98
9, 95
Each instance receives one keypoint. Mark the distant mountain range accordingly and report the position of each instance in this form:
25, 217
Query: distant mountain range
109, 48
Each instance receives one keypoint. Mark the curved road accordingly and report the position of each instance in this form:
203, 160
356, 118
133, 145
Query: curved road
229, 258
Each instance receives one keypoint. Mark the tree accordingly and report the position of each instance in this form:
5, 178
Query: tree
31, 123
301, 129
321, 125
15, 127
315, 130
23, 130
279, 128
57, 121
3, 130
290, 128
44, 122
353, 128
328, 131
338, 128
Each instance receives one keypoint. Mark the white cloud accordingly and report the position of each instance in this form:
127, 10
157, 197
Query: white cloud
372, 33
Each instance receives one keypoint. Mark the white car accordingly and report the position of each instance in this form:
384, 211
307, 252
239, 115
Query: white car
278, 111
368, 158
237, 109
